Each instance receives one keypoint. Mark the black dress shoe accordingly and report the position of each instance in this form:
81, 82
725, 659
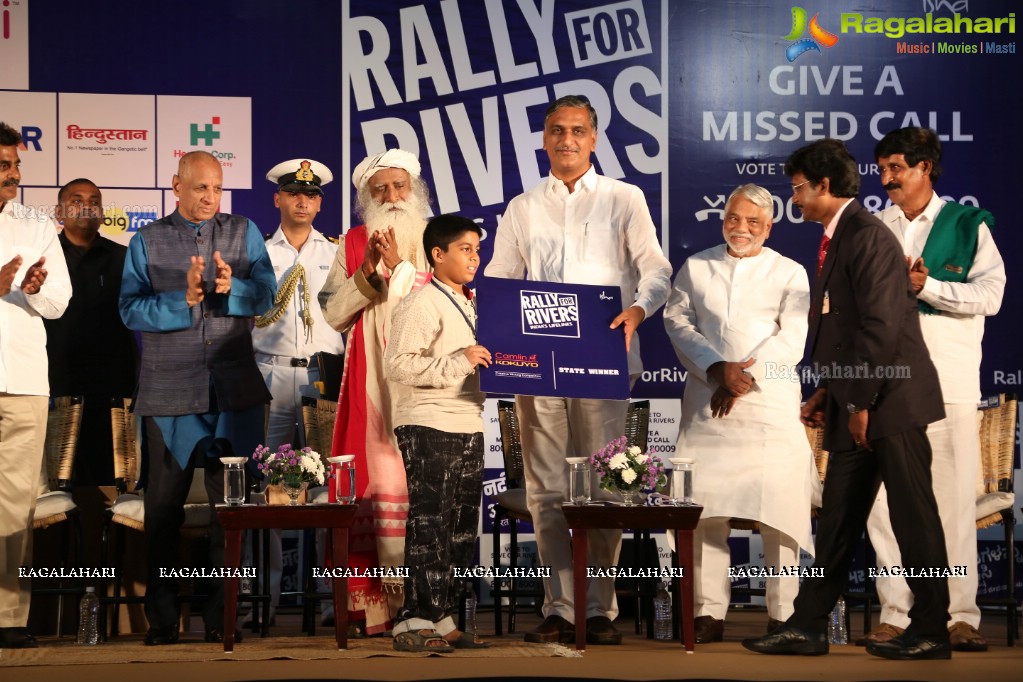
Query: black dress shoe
907, 647
709, 629
214, 635
161, 635
552, 629
17, 638
789, 640
773, 625
600, 630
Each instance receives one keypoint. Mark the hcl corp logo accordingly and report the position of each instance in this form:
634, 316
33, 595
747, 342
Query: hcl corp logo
818, 36
207, 133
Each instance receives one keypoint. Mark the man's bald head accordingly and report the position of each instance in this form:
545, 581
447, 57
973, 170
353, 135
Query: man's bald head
198, 185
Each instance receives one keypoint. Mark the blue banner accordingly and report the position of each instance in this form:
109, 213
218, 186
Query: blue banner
552, 339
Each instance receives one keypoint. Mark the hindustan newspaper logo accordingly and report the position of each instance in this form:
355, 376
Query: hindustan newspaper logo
207, 133
547, 313
818, 35
6, 21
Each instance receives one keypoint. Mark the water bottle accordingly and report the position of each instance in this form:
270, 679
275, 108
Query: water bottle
467, 610
837, 633
662, 613
88, 618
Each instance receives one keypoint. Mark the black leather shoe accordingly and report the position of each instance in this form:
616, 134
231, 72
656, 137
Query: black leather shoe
600, 630
552, 629
773, 625
17, 638
907, 647
217, 635
789, 640
708, 629
162, 635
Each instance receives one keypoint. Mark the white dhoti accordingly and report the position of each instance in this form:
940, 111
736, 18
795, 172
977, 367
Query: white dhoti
955, 447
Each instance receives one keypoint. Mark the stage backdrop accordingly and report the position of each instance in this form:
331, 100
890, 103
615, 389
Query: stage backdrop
693, 98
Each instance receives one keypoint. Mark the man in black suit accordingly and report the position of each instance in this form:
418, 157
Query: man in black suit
864, 329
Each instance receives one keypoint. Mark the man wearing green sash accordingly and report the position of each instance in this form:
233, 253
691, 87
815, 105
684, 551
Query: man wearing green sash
958, 276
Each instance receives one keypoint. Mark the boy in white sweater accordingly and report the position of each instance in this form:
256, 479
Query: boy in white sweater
432, 357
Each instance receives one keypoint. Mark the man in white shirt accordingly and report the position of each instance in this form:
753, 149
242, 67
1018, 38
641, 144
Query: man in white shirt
287, 336
34, 284
959, 277
737, 317
577, 227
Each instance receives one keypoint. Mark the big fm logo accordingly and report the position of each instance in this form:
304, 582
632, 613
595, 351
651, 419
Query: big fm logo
818, 36
129, 219
207, 133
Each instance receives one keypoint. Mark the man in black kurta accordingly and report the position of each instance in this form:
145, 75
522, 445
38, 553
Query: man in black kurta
91, 353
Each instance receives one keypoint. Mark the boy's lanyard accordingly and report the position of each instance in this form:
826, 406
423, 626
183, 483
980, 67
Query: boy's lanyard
465, 317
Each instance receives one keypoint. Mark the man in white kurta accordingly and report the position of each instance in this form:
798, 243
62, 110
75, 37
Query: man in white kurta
583, 228
34, 284
952, 321
737, 317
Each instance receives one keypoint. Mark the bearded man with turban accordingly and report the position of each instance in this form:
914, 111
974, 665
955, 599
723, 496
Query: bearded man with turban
377, 265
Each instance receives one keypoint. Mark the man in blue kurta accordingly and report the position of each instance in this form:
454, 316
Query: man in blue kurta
192, 283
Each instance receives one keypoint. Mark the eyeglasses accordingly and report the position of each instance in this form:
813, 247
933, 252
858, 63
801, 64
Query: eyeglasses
795, 188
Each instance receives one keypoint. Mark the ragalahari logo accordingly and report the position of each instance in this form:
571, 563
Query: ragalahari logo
207, 133
818, 36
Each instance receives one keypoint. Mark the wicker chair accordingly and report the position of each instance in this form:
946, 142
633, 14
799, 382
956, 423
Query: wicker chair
510, 505
995, 493
128, 510
56, 507
318, 415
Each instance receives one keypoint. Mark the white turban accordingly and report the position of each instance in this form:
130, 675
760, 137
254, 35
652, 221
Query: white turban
392, 158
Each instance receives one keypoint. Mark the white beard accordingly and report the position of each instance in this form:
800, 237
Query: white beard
408, 223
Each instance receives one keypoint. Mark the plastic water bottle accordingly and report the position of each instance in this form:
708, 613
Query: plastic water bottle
88, 618
837, 633
467, 612
662, 613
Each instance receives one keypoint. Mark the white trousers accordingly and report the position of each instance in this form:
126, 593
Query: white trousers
287, 385
553, 429
22, 432
955, 444
713, 558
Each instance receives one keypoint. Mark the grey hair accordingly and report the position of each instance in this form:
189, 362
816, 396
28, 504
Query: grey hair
364, 197
574, 101
756, 194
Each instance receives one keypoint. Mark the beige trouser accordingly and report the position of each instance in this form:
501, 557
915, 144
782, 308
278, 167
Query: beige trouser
955, 447
712, 558
553, 429
22, 432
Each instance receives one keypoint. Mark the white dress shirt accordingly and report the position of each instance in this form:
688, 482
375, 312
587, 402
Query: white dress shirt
954, 336
27, 233
287, 336
600, 234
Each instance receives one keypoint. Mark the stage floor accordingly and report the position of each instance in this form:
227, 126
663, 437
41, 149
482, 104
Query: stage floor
636, 659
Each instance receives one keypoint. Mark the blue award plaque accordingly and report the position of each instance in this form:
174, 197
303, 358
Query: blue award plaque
552, 339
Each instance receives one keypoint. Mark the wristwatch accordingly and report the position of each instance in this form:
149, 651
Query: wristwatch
853, 409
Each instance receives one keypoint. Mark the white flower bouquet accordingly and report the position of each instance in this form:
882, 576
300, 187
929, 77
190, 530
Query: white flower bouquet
624, 467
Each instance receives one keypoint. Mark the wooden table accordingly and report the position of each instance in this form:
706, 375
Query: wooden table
336, 517
595, 516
